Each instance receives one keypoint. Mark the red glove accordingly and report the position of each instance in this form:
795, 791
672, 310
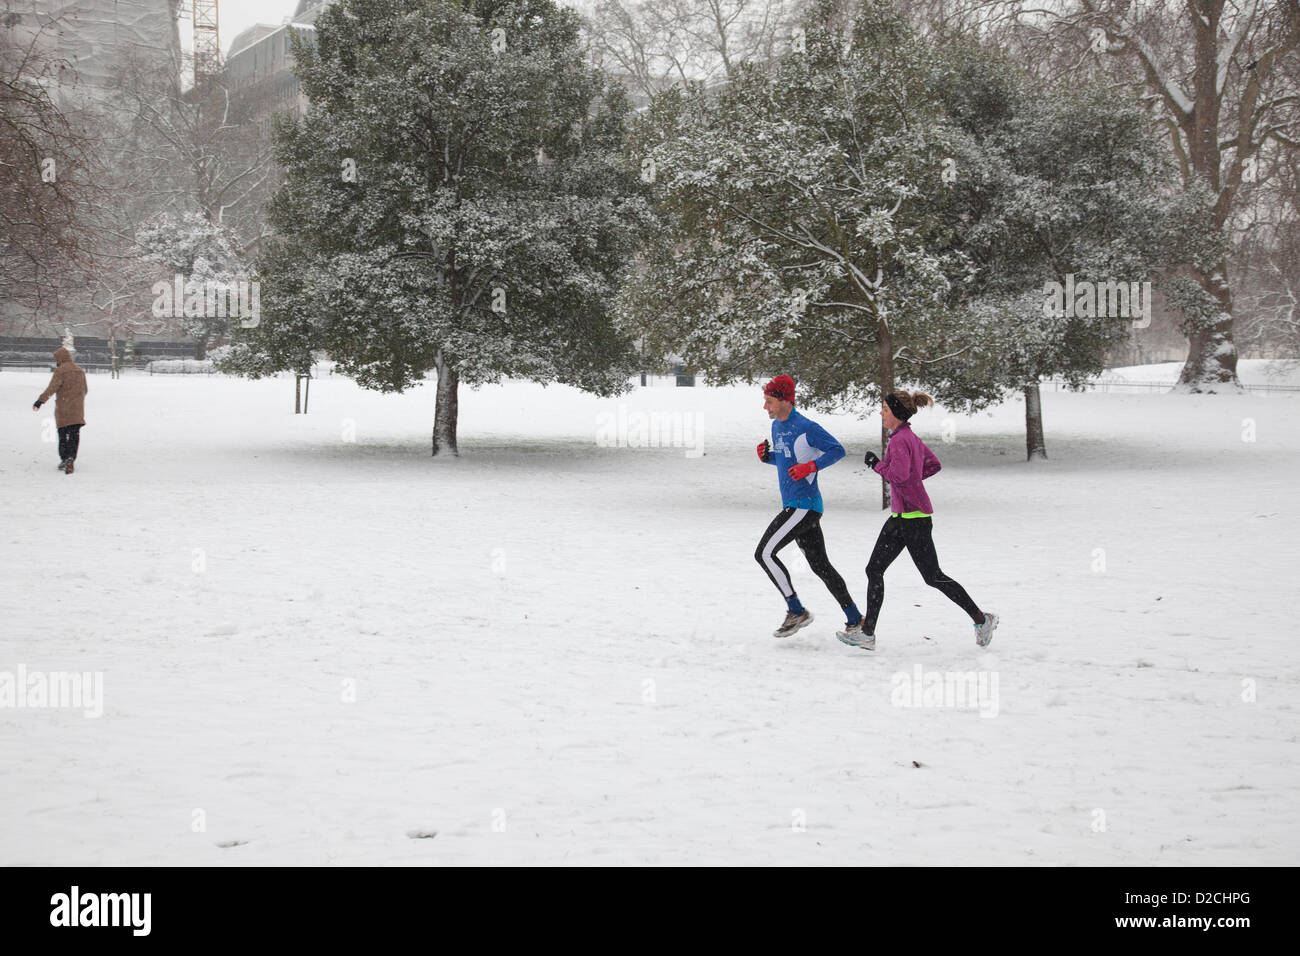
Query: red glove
799, 472
764, 451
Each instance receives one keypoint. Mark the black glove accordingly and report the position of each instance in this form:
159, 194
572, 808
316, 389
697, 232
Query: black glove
37, 403
871, 460
764, 451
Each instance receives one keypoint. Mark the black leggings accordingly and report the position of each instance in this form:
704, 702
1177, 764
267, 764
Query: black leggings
69, 439
803, 527
914, 534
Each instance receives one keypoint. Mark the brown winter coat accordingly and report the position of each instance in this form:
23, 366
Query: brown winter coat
68, 385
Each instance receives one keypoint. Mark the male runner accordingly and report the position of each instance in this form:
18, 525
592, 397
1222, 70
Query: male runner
799, 448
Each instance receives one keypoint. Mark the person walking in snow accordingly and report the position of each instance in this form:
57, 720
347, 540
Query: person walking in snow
799, 448
907, 463
68, 385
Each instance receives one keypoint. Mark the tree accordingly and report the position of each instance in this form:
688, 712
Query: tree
453, 201
290, 337
143, 178
891, 207
201, 158
804, 205
653, 44
1266, 277
200, 253
158, 158
47, 171
1065, 183
1212, 69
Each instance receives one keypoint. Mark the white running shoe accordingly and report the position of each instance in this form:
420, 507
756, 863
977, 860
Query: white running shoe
984, 632
793, 622
853, 636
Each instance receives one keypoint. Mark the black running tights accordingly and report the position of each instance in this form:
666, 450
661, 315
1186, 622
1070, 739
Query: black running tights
914, 534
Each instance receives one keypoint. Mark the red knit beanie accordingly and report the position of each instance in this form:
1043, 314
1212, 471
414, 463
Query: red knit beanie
780, 388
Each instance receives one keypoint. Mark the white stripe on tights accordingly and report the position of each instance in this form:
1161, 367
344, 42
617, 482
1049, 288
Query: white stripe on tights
781, 580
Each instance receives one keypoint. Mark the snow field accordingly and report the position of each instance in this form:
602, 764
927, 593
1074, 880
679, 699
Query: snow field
321, 645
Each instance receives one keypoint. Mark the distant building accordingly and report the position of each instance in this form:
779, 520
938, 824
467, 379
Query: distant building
258, 72
96, 37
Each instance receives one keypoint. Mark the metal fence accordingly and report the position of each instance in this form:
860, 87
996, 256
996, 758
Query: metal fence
1121, 385
95, 367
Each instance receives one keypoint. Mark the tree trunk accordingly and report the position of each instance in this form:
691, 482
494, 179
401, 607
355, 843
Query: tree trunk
297, 394
1034, 444
885, 347
445, 410
306, 395
1211, 353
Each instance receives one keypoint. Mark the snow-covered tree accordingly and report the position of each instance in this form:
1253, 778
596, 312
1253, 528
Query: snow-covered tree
885, 206
806, 204
1213, 70
199, 251
1266, 274
286, 338
453, 200
199, 156
1066, 183
803, 221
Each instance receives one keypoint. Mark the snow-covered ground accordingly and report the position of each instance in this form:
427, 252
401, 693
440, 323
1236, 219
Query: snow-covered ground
1250, 372
318, 644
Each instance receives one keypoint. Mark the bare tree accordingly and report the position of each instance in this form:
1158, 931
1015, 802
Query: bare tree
1213, 69
1268, 266
204, 158
655, 44
46, 178
165, 153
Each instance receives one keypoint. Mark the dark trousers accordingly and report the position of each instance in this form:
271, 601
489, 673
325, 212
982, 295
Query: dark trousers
69, 439
914, 534
803, 527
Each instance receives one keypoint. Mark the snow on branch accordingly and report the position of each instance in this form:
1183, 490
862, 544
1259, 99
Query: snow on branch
1228, 50
1178, 100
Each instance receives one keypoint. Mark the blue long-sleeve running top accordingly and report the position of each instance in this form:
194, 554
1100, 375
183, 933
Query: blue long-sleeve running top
795, 441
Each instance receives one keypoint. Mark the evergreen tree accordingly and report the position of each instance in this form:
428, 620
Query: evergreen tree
289, 341
804, 206
878, 205
1055, 183
453, 200
200, 251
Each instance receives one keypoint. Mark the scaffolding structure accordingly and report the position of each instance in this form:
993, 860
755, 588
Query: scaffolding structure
207, 49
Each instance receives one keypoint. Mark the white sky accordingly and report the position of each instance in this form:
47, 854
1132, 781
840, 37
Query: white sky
235, 16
